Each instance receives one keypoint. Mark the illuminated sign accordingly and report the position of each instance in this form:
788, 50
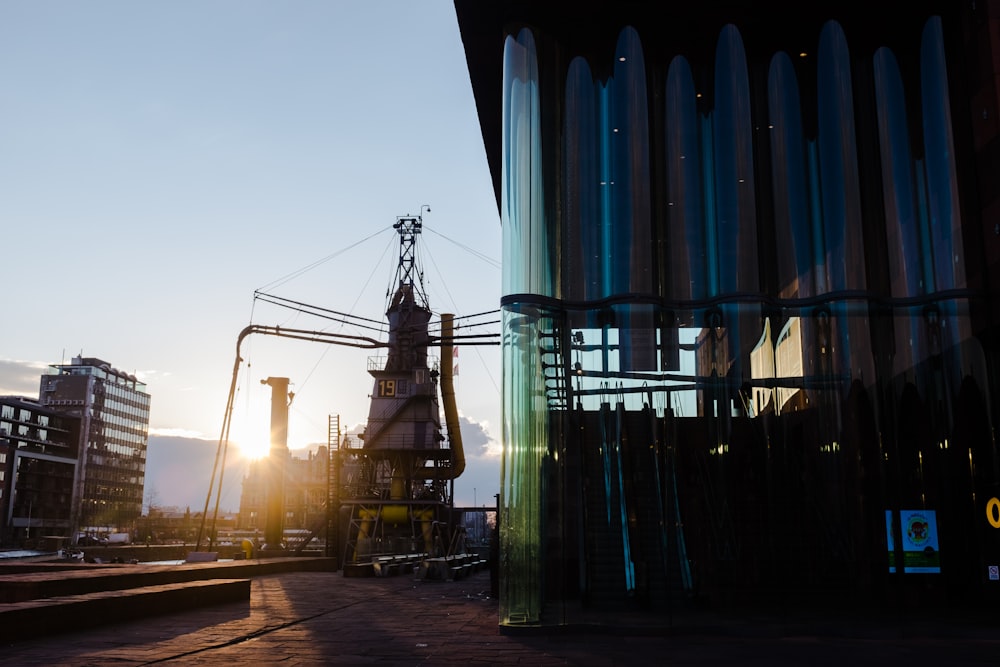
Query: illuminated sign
921, 552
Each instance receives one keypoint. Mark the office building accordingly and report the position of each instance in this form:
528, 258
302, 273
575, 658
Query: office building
113, 409
38, 456
751, 261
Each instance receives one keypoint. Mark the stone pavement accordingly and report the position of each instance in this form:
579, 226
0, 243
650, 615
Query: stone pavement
324, 618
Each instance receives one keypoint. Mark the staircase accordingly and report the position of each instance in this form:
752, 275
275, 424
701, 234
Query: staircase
630, 526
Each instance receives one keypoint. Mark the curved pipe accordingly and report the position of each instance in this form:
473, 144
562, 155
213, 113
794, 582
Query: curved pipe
220, 453
448, 395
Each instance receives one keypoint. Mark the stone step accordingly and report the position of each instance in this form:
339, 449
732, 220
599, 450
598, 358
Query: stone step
69, 613
83, 579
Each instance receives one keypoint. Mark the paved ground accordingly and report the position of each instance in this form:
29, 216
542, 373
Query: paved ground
323, 618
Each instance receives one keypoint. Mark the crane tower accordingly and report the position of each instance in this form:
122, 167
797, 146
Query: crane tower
397, 487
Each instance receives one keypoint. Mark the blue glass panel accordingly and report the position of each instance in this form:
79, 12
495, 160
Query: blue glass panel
631, 249
735, 220
581, 178
847, 345
686, 266
953, 334
798, 245
606, 182
627, 132
902, 221
841, 200
939, 155
797, 259
735, 223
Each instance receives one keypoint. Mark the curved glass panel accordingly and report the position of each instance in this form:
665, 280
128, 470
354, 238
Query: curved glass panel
794, 235
907, 274
525, 270
732, 233
840, 196
846, 349
943, 215
939, 153
626, 133
525, 242
798, 241
581, 174
630, 252
736, 221
686, 267
943, 201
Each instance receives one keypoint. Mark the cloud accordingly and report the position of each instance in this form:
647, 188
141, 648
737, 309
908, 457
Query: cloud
21, 378
480, 481
476, 438
176, 433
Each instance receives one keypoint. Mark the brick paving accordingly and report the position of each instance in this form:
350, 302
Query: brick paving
324, 618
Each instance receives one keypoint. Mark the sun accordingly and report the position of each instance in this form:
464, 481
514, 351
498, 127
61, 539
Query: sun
251, 437
254, 448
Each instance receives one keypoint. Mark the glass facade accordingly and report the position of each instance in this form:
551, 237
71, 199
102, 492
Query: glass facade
113, 407
525, 245
38, 454
741, 352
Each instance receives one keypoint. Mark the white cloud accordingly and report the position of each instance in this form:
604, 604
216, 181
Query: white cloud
477, 440
480, 481
177, 433
21, 378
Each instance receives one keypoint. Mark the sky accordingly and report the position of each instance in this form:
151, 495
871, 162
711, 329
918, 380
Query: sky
162, 162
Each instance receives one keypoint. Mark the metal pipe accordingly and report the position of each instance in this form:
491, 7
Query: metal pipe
448, 396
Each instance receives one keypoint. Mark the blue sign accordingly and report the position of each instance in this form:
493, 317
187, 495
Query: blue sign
921, 552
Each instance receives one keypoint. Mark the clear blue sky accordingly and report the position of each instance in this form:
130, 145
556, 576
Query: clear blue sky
160, 161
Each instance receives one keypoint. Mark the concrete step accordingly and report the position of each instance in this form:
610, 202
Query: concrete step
68, 613
33, 584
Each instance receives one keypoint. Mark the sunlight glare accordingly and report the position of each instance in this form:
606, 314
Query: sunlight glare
253, 448
250, 433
